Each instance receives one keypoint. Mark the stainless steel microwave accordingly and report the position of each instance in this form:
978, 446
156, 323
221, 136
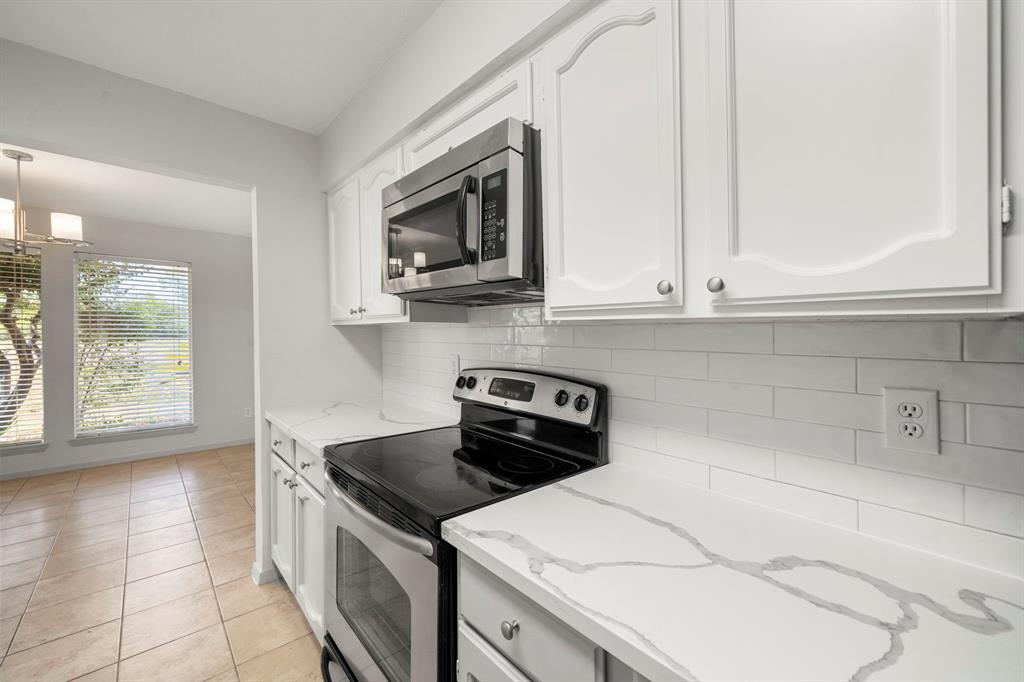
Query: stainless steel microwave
466, 227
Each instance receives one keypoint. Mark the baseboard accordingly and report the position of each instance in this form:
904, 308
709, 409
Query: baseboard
262, 577
121, 460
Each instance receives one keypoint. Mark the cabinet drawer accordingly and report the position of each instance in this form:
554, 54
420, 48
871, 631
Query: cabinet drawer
310, 466
542, 646
282, 444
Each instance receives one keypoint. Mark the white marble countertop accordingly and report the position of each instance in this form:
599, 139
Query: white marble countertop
683, 583
315, 426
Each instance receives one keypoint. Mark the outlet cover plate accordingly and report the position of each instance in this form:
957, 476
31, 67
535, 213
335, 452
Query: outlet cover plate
928, 401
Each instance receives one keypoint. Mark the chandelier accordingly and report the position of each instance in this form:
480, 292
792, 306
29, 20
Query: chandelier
65, 228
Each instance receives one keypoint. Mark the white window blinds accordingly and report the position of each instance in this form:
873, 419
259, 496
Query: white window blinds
133, 327
21, 348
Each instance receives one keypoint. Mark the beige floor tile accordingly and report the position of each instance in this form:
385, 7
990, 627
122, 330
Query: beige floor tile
157, 491
251, 500
89, 492
229, 541
11, 485
91, 535
12, 554
32, 516
14, 600
259, 631
32, 531
96, 503
161, 560
150, 522
20, 573
208, 494
219, 505
65, 658
204, 482
243, 595
48, 488
108, 674
212, 525
161, 624
197, 456
53, 622
49, 479
155, 477
19, 505
238, 450
232, 566
94, 518
8, 626
112, 473
164, 537
197, 656
66, 562
246, 487
165, 587
226, 676
160, 504
210, 466
85, 581
297, 661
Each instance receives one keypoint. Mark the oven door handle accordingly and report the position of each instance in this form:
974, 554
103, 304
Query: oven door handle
467, 187
404, 540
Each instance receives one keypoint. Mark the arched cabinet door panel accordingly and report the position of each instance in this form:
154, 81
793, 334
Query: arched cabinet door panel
344, 252
853, 151
373, 178
610, 131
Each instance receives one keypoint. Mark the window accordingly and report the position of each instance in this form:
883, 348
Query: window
21, 350
133, 356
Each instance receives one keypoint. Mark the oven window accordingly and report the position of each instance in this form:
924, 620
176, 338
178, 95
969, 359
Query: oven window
423, 239
375, 605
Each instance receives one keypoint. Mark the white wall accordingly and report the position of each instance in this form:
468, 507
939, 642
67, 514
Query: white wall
458, 47
222, 333
59, 105
788, 415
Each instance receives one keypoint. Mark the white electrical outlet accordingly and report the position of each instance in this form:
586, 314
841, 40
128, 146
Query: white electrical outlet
453, 366
911, 419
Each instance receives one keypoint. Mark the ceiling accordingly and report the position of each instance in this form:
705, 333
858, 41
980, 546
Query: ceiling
297, 63
70, 185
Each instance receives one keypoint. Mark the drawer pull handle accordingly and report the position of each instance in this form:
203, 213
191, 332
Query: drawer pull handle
303, 465
509, 628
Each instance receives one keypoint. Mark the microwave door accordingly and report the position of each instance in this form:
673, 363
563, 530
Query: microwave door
430, 240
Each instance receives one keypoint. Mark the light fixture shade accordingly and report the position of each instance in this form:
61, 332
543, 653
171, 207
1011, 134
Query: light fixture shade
6, 218
66, 226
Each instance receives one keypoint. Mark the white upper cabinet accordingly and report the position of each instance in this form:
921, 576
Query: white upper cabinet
510, 94
373, 178
343, 245
850, 150
610, 133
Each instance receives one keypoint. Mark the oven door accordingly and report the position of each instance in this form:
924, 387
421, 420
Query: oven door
430, 239
382, 594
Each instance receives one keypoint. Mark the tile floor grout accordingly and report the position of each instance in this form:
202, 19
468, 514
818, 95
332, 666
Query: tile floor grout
189, 470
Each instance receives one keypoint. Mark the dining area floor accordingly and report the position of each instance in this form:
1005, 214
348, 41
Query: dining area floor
140, 571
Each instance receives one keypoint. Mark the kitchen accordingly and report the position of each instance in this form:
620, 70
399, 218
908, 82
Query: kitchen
623, 340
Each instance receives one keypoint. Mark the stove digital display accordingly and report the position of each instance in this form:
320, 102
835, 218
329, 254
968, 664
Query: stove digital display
512, 389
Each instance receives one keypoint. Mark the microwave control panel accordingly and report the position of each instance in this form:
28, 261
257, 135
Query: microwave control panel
494, 200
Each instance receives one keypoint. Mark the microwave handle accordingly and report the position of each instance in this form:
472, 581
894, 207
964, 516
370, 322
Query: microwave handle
467, 187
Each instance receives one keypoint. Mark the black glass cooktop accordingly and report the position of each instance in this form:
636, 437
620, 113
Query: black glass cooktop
434, 475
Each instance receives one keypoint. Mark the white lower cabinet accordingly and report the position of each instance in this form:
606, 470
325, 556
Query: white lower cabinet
282, 518
309, 554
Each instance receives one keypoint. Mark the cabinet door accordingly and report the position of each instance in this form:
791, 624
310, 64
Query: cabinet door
344, 250
282, 519
610, 135
850, 149
479, 662
377, 305
309, 554
509, 94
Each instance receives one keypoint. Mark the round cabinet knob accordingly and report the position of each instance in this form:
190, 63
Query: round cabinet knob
716, 284
303, 465
471, 383
665, 287
352, 311
460, 382
561, 398
360, 309
509, 628
582, 403
276, 443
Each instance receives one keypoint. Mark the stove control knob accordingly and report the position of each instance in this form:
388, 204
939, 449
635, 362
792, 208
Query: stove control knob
471, 383
561, 398
582, 403
460, 382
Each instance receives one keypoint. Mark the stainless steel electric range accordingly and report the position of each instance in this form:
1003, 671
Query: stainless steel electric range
391, 597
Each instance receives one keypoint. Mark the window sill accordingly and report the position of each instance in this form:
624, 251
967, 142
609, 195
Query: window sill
23, 448
132, 435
